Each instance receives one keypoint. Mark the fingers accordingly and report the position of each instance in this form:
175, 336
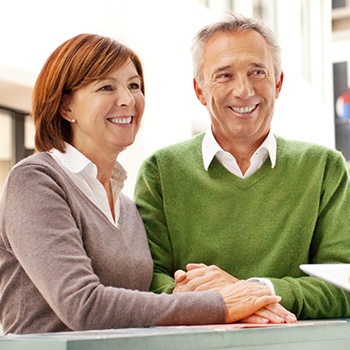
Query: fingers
192, 266
194, 279
200, 277
195, 285
179, 276
275, 312
255, 319
179, 288
265, 300
269, 315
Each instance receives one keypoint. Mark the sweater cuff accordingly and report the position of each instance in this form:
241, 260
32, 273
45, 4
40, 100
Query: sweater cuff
265, 281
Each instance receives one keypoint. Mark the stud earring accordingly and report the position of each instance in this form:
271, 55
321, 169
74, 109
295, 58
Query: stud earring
73, 120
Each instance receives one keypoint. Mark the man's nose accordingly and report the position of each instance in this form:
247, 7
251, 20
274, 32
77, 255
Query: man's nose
242, 87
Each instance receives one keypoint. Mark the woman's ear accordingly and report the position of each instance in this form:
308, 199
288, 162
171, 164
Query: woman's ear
65, 109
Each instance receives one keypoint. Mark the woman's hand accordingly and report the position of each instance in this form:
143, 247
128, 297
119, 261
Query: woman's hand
245, 298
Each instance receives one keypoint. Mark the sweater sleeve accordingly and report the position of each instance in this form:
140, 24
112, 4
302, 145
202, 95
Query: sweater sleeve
148, 198
40, 231
309, 297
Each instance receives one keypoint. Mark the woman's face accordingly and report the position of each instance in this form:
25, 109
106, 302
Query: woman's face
107, 113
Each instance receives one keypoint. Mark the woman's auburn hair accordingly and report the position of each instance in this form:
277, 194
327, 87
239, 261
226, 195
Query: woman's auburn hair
78, 61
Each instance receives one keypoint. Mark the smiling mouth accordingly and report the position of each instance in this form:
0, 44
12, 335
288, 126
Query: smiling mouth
121, 120
243, 110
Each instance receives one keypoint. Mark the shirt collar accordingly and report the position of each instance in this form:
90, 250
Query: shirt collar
76, 162
72, 159
210, 148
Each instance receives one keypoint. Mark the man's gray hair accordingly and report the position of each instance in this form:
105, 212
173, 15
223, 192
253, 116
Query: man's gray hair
233, 24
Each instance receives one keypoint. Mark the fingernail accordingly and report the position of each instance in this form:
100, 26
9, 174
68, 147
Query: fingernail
291, 319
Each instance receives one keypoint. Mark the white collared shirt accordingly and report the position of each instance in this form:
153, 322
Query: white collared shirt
211, 149
84, 174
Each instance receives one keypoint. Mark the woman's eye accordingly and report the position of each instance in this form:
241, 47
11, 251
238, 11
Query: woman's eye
106, 88
134, 86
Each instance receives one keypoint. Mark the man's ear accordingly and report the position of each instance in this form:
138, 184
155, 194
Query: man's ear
199, 92
65, 109
279, 85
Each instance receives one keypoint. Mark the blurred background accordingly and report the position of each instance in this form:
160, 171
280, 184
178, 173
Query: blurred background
314, 104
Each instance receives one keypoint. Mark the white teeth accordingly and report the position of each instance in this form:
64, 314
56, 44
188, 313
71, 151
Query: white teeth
121, 120
243, 110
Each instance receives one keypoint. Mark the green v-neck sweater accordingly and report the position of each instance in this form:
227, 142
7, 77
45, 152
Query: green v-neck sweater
263, 226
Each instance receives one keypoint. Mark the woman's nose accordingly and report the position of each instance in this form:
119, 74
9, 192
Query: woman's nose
125, 97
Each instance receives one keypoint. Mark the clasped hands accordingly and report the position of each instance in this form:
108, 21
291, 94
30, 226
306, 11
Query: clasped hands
245, 301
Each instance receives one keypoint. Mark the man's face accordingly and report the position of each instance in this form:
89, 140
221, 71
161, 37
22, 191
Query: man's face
239, 87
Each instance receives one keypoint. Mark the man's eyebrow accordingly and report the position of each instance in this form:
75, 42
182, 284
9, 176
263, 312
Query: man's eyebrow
259, 65
220, 69
253, 64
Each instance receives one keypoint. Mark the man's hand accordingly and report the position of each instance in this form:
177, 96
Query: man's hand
201, 277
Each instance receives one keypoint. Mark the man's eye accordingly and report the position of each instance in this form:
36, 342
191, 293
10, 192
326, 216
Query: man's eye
223, 77
258, 73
